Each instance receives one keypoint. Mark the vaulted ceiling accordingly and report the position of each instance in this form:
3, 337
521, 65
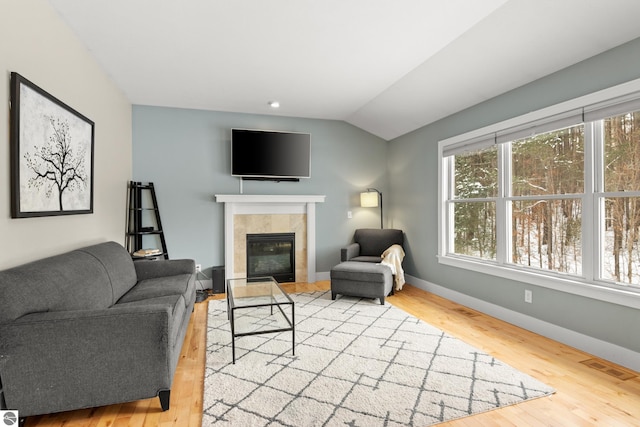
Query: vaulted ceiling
386, 66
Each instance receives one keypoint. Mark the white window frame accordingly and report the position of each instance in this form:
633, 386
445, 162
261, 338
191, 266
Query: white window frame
587, 285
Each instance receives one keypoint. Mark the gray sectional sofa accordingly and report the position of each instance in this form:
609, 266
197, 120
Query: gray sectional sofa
91, 327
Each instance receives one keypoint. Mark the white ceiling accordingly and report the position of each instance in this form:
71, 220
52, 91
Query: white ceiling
386, 66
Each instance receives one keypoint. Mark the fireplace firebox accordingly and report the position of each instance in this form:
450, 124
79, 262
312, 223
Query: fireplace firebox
272, 254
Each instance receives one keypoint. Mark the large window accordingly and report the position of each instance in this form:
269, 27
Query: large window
474, 208
547, 184
620, 222
558, 197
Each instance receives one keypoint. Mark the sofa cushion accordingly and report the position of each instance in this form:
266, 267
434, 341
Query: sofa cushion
148, 269
118, 265
159, 287
71, 281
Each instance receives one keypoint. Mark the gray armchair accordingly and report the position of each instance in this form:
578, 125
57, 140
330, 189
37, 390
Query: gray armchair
369, 244
358, 273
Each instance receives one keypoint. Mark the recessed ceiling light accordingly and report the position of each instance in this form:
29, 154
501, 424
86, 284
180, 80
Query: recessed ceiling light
274, 104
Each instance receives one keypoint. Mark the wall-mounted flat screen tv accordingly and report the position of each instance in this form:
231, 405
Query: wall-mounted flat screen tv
275, 155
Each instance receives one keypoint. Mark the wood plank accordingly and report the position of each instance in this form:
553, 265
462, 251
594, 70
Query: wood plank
584, 397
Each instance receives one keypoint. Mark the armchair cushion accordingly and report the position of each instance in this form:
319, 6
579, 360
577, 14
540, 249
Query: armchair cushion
369, 244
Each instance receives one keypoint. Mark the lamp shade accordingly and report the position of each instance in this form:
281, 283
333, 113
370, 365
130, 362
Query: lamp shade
369, 199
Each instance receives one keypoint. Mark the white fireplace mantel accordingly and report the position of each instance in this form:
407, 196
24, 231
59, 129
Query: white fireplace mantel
239, 204
266, 198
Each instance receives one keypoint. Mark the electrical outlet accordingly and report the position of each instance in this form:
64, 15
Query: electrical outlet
199, 268
349, 215
528, 296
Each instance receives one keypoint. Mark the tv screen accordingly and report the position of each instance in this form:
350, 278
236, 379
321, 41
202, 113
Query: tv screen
269, 154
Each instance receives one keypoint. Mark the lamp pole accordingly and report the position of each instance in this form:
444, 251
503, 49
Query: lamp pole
380, 195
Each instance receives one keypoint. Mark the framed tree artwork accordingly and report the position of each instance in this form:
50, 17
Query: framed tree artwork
51, 154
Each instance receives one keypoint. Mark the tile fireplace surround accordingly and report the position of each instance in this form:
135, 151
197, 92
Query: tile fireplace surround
246, 213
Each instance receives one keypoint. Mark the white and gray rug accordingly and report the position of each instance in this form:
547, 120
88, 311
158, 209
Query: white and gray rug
356, 363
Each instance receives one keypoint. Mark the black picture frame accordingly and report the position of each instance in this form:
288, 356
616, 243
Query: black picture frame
52, 151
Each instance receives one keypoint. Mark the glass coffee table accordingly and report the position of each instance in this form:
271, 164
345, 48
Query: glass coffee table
258, 306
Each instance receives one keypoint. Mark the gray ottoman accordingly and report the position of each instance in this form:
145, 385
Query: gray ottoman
361, 279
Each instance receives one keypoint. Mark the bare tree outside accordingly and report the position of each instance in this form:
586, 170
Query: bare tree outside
57, 166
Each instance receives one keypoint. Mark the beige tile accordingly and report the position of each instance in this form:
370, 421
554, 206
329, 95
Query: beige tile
280, 224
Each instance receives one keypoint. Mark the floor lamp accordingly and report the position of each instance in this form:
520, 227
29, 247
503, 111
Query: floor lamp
369, 199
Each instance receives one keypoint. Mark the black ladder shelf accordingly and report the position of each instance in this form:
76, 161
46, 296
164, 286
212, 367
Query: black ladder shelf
143, 209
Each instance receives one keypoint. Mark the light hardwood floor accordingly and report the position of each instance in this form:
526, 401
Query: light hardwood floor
584, 396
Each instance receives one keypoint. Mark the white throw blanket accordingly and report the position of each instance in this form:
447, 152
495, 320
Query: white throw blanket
393, 257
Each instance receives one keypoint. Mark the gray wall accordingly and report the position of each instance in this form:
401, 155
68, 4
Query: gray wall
413, 166
186, 154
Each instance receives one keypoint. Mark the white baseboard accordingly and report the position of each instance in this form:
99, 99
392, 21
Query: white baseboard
612, 352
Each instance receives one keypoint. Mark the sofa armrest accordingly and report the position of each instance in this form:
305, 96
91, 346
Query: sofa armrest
350, 251
56, 361
147, 269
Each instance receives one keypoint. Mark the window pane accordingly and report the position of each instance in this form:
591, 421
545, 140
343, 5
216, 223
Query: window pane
622, 152
547, 234
475, 229
476, 174
621, 258
549, 163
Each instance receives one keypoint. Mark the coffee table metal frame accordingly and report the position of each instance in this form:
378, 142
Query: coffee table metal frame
244, 294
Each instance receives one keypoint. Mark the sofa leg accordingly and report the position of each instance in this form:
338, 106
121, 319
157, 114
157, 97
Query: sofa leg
381, 300
333, 295
164, 396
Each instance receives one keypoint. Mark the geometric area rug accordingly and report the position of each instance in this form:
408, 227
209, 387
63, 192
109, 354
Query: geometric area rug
356, 363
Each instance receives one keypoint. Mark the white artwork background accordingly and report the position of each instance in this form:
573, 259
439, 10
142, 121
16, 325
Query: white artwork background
35, 131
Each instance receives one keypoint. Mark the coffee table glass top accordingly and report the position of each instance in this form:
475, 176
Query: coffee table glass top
256, 291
